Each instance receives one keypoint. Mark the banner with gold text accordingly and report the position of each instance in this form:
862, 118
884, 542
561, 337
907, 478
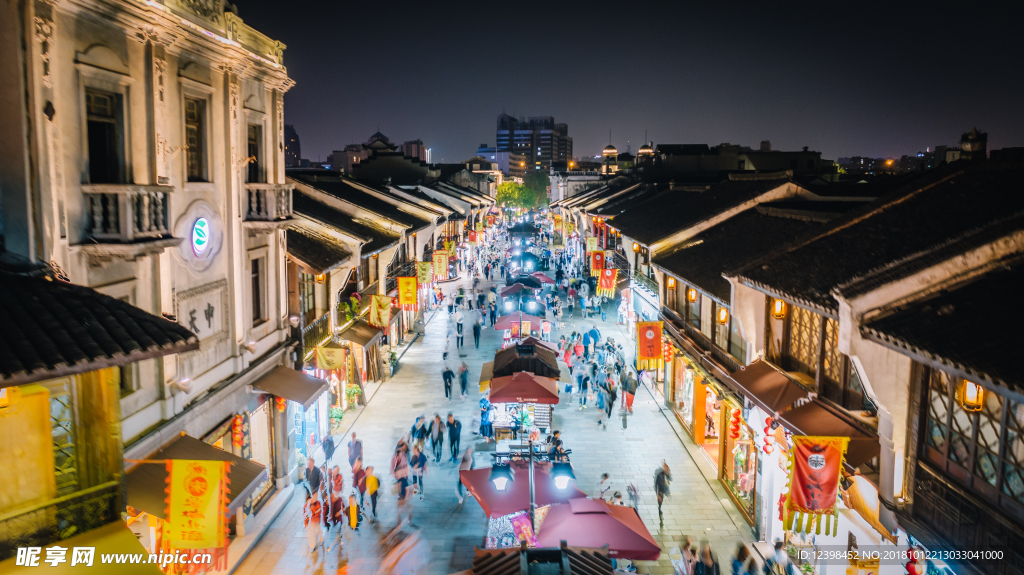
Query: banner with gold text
648, 344
197, 501
407, 293
440, 266
815, 469
596, 263
472, 236
330, 357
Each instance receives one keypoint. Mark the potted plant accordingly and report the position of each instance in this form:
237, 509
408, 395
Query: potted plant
352, 392
336, 414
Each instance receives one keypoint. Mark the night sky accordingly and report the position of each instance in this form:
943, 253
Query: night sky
847, 78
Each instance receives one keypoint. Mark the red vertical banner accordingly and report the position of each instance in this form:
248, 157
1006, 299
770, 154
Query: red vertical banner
648, 344
606, 284
440, 265
815, 469
407, 293
596, 263
472, 236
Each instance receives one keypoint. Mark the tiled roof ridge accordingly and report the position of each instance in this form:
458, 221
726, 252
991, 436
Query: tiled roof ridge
906, 193
995, 229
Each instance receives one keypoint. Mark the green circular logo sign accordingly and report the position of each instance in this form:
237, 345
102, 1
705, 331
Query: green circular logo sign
200, 236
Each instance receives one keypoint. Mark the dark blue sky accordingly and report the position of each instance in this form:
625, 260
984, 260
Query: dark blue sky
843, 78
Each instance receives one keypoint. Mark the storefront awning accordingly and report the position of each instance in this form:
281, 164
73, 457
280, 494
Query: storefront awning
147, 483
362, 333
771, 390
815, 418
291, 384
113, 538
486, 373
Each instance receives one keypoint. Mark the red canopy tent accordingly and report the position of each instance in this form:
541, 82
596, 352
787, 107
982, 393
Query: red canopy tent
506, 321
524, 387
514, 289
543, 277
595, 523
516, 497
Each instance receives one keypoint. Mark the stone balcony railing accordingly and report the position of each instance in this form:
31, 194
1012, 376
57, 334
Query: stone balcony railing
267, 206
126, 213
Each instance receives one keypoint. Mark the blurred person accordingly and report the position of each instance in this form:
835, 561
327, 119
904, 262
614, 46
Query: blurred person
706, 563
662, 478
372, 489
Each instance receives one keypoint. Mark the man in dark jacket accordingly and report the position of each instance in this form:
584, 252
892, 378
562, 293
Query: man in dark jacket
454, 435
449, 376
313, 477
476, 330
662, 477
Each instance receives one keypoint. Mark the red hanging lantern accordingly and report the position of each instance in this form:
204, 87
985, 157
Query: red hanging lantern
236, 431
769, 436
734, 428
281, 403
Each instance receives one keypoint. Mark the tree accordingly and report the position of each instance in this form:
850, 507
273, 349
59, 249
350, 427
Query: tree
512, 195
537, 182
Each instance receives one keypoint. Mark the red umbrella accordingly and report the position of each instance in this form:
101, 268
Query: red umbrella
594, 523
516, 496
524, 387
514, 289
506, 321
543, 277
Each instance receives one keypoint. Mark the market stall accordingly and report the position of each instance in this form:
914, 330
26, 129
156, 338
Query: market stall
595, 523
522, 403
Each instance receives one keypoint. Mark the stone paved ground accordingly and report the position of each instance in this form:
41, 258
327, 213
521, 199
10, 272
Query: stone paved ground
629, 449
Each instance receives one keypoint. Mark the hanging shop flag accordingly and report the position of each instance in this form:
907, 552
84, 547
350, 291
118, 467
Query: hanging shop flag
490, 221
815, 467
450, 248
330, 357
424, 272
596, 263
197, 504
526, 328
591, 244
407, 293
648, 344
380, 311
441, 266
606, 284
479, 226
472, 236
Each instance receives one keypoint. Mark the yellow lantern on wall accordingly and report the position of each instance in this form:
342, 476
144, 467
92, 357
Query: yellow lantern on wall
970, 395
691, 295
723, 315
321, 278
779, 309
636, 247
671, 282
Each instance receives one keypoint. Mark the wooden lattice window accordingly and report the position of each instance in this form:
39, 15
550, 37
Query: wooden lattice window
1013, 462
62, 434
832, 359
804, 339
195, 138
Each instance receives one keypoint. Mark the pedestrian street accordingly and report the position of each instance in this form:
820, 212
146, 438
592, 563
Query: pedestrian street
629, 448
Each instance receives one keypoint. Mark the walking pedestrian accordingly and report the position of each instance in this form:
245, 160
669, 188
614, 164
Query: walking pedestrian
485, 417
312, 517
739, 562
476, 329
418, 462
684, 566
466, 464
359, 480
449, 377
313, 477
400, 473
603, 487
372, 487
436, 432
418, 433
494, 313
458, 329
706, 563
328, 446
464, 379
584, 384
355, 450
662, 477
454, 435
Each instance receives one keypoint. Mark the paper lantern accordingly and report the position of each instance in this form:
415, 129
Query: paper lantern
779, 309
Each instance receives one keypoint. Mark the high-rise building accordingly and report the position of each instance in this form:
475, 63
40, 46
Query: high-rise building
415, 149
538, 139
292, 147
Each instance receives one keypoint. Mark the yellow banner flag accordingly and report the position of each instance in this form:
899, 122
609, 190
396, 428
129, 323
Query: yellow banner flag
330, 357
380, 311
591, 244
424, 272
407, 293
196, 504
479, 226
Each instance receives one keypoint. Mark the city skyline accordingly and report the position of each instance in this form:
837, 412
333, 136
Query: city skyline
877, 83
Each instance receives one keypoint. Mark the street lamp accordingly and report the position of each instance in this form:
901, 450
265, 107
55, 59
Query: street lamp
502, 475
562, 474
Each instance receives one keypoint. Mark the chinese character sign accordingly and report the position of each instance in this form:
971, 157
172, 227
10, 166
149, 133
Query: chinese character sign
648, 344
380, 311
606, 283
815, 467
596, 263
591, 244
424, 272
440, 265
330, 357
407, 293
196, 504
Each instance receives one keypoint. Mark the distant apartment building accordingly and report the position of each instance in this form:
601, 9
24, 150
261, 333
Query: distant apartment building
414, 149
292, 147
538, 139
509, 163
